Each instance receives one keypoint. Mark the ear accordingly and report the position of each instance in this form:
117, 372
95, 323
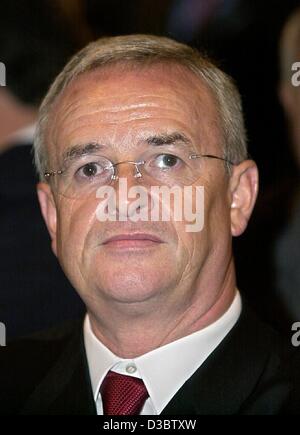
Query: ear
244, 190
48, 209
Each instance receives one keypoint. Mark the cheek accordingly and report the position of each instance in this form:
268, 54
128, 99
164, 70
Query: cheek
215, 217
188, 247
217, 212
74, 222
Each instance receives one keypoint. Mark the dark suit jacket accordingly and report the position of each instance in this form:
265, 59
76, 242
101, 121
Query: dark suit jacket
34, 293
48, 374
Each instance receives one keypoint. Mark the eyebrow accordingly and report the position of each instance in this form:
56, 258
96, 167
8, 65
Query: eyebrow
168, 139
77, 151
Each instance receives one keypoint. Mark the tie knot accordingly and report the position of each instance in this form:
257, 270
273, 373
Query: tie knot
122, 395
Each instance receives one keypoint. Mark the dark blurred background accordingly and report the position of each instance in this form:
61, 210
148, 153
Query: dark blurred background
38, 37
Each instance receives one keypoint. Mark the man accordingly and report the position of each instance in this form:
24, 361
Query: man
165, 331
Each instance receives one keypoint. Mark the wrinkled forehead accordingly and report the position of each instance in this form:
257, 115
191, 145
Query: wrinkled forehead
134, 96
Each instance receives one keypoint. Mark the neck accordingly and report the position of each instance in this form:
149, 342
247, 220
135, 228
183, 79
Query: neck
140, 331
14, 116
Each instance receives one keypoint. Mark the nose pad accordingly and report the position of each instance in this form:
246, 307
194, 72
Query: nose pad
118, 171
132, 199
138, 173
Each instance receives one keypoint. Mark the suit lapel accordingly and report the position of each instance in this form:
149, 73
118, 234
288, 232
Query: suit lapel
66, 390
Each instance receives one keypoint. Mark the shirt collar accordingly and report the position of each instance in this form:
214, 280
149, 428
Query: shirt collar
162, 371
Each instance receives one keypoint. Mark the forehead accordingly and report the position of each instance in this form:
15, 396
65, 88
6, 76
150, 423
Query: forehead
120, 101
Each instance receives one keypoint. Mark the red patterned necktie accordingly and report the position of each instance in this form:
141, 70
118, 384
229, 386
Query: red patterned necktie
122, 395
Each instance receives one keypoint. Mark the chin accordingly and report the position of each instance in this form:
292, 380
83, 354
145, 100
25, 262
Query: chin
136, 285
131, 278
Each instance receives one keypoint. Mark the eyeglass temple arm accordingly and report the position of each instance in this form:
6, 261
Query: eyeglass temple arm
210, 156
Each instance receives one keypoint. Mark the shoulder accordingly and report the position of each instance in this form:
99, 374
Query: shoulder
25, 362
292, 369
263, 353
258, 336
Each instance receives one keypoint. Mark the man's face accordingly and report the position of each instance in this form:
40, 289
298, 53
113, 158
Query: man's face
121, 111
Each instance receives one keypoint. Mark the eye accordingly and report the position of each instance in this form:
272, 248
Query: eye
92, 170
167, 161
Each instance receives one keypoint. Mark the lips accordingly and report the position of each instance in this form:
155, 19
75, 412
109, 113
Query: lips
132, 240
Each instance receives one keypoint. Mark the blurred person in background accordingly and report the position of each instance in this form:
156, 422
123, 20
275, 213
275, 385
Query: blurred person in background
287, 247
34, 293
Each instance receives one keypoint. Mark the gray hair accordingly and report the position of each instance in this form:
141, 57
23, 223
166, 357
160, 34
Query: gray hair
145, 50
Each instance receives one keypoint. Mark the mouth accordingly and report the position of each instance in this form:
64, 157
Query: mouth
133, 241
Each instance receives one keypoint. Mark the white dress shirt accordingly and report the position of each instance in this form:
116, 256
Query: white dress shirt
163, 370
